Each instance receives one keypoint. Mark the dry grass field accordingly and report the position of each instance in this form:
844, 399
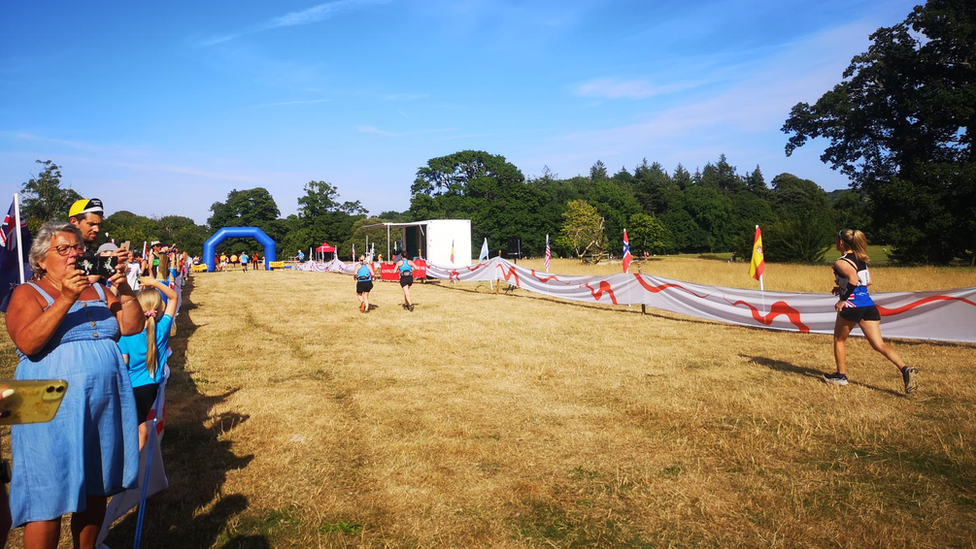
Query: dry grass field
515, 420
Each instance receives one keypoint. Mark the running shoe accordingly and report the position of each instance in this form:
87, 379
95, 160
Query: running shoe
362, 307
910, 376
411, 307
835, 378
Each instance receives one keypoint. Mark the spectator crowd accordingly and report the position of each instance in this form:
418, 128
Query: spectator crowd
100, 318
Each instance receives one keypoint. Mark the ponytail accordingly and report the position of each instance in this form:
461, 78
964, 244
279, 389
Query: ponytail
855, 241
152, 304
152, 361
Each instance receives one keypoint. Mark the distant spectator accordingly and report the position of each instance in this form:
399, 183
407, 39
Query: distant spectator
133, 271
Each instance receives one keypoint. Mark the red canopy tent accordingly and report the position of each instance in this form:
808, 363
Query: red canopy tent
325, 248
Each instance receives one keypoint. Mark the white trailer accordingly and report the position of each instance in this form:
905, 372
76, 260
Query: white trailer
436, 240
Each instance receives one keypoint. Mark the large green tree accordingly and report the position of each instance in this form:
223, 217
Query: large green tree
323, 218
804, 226
582, 231
488, 190
900, 125
43, 199
248, 208
647, 234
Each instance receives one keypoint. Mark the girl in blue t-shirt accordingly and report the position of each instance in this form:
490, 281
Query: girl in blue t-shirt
146, 362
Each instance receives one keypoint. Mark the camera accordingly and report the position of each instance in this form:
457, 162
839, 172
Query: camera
91, 264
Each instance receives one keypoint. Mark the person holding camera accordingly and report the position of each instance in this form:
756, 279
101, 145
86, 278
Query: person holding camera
65, 327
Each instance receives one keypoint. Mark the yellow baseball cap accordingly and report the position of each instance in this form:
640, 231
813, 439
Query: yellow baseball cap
86, 206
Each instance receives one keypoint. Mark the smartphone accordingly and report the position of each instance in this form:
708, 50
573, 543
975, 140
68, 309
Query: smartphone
125, 245
95, 265
33, 401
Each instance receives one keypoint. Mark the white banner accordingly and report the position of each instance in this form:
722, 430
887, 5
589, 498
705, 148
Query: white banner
947, 315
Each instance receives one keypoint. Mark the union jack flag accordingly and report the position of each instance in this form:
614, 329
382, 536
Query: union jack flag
548, 254
7, 236
627, 257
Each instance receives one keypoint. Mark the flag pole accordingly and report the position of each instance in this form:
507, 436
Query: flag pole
20, 237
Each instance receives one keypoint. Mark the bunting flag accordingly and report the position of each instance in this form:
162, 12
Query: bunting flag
626, 255
483, 256
758, 263
548, 254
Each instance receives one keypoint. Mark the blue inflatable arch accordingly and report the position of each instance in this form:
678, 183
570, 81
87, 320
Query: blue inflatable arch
237, 232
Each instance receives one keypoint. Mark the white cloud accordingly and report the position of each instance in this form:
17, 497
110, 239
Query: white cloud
405, 96
186, 170
307, 16
373, 130
759, 101
285, 103
612, 88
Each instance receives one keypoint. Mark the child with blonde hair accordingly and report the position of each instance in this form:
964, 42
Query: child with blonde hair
147, 361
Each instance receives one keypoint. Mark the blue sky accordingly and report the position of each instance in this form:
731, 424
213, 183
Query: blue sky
164, 107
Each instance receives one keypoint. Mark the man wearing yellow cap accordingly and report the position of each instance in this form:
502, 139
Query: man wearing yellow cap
86, 214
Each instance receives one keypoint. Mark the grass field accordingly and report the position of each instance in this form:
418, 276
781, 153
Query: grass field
515, 420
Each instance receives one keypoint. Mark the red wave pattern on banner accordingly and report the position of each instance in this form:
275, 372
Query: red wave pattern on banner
662, 287
511, 274
545, 280
604, 288
898, 310
776, 309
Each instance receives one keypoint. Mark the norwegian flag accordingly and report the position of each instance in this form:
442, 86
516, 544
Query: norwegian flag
548, 254
627, 257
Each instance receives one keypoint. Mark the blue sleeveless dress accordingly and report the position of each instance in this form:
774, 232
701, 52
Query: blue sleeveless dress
91, 447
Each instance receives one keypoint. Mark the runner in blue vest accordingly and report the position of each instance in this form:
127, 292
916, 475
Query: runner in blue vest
405, 268
856, 308
364, 283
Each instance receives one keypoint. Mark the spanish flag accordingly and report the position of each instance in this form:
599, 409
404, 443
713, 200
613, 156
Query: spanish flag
758, 262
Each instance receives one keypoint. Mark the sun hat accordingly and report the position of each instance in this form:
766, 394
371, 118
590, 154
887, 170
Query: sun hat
107, 247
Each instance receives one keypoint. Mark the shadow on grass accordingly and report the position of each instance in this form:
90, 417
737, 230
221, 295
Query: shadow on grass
193, 511
783, 366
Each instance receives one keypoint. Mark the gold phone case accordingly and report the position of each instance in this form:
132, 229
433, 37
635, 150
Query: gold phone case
33, 401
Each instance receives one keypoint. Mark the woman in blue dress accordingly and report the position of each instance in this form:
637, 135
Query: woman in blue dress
66, 328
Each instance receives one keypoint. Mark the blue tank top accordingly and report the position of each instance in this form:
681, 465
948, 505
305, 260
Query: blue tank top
860, 296
363, 273
405, 267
